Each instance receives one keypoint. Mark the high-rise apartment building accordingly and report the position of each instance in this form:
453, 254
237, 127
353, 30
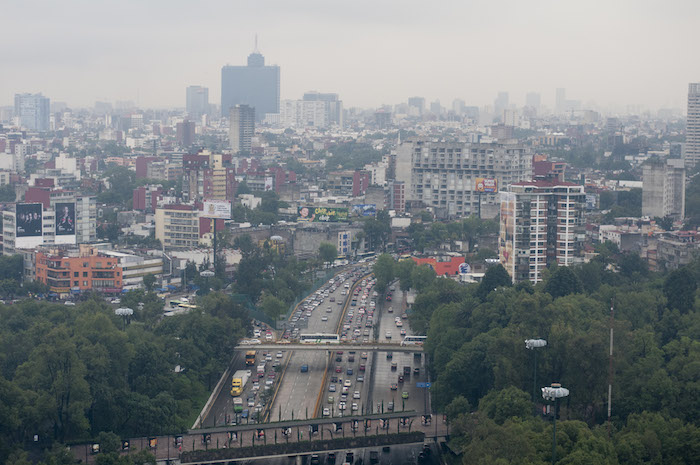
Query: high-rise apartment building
33, 111
241, 128
197, 101
541, 224
255, 85
333, 106
177, 226
663, 188
501, 103
692, 134
443, 175
184, 133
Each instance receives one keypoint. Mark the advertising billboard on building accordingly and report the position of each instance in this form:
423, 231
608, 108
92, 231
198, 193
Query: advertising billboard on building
65, 219
28, 220
486, 185
220, 209
369, 209
65, 223
322, 214
269, 183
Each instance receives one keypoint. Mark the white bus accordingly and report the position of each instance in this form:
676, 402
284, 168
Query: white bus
319, 338
413, 340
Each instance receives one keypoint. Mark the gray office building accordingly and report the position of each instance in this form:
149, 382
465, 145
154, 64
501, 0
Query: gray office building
333, 106
255, 85
33, 111
197, 101
692, 133
241, 128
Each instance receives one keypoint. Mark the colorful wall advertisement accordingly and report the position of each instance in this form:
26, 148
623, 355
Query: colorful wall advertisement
269, 183
28, 220
369, 209
220, 209
486, 185
65, 219
506, 239
322, 214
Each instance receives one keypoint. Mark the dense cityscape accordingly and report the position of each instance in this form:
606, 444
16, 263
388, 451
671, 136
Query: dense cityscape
252, 276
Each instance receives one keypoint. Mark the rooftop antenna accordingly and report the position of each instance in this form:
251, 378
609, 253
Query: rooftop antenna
255, 50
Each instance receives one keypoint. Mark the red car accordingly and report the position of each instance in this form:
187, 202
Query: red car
338, 369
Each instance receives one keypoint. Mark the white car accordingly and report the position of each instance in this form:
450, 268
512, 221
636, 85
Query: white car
116, 301
325, 318
279, 354
268, 337
341, 406
326, 412
356, 395
347, 383
387, 335
354, 406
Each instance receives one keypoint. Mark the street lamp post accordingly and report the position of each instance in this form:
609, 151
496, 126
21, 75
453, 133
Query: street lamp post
553, 393
532, 344
125, 313
206, 274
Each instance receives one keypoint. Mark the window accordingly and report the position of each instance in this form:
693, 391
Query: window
85, 283
85, 275
75, 283
85, 264
76, 274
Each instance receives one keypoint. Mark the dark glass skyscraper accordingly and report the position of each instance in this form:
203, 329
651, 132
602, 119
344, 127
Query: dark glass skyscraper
255, 85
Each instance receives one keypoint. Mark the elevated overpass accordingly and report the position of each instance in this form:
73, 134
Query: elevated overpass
369, 347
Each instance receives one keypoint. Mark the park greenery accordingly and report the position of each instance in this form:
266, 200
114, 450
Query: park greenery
69, 373
484, 376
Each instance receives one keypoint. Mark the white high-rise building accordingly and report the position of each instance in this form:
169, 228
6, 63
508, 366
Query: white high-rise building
663, 188
692, 134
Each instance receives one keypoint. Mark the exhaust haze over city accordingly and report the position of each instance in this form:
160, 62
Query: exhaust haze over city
612, 54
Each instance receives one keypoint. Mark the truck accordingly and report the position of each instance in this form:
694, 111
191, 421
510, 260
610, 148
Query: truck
240, 378
237, 404
261, 370
250, 358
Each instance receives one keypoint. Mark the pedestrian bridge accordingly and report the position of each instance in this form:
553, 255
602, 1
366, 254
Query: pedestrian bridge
368, 347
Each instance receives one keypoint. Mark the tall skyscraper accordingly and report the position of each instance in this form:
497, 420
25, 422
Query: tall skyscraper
255, 85
242, 128
560, 100
501, 103
692, 133
197, 101
33, 111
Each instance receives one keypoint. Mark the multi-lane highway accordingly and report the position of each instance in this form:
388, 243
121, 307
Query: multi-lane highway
332, 382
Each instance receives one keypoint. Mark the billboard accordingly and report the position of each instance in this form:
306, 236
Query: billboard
322, 214
486, 185
65, 219
506, 237
269, 183
220, 209
369, 209
28, 220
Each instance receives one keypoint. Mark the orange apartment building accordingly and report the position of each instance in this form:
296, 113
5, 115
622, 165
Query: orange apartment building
71, 271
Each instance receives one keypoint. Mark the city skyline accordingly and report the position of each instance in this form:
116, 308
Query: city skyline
370, 54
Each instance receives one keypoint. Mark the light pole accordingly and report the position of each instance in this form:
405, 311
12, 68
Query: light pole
532, 344
206, 274
125, 313
553, 393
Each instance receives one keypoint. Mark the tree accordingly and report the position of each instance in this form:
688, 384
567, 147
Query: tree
327, 252
563, 281
506, 403
495, 277
679, 289
7, 193
458, 406
384, 271
272, 306
148, 281
422, 276
404, 271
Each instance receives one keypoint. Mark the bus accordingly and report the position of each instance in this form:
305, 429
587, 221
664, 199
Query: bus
319, 338
187, 306
250, 358
413, 340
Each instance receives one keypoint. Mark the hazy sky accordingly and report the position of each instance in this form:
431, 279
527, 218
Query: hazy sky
612, 52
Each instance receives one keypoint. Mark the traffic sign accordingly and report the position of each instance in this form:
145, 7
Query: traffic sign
422, 385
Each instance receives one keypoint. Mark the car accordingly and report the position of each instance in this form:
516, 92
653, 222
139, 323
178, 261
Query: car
400, 378
339, 358
416, 371
399, 324
360, 379
251, 402
268, 337
356, 395
389, 355
351, 358
244, 414
347, 383
341, 406
404, 316
394, 386
394, 365
268, 357
390, 407
331, 399
269, 382
334, 379
116, 301
279, 354
364, 355
339, 352
344, 397
331, 388
345, 390
338, 369
326, 411
387, 335
354, 406
349, 371
403, 332
404, 395
70, 304
390, 309
362, 367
